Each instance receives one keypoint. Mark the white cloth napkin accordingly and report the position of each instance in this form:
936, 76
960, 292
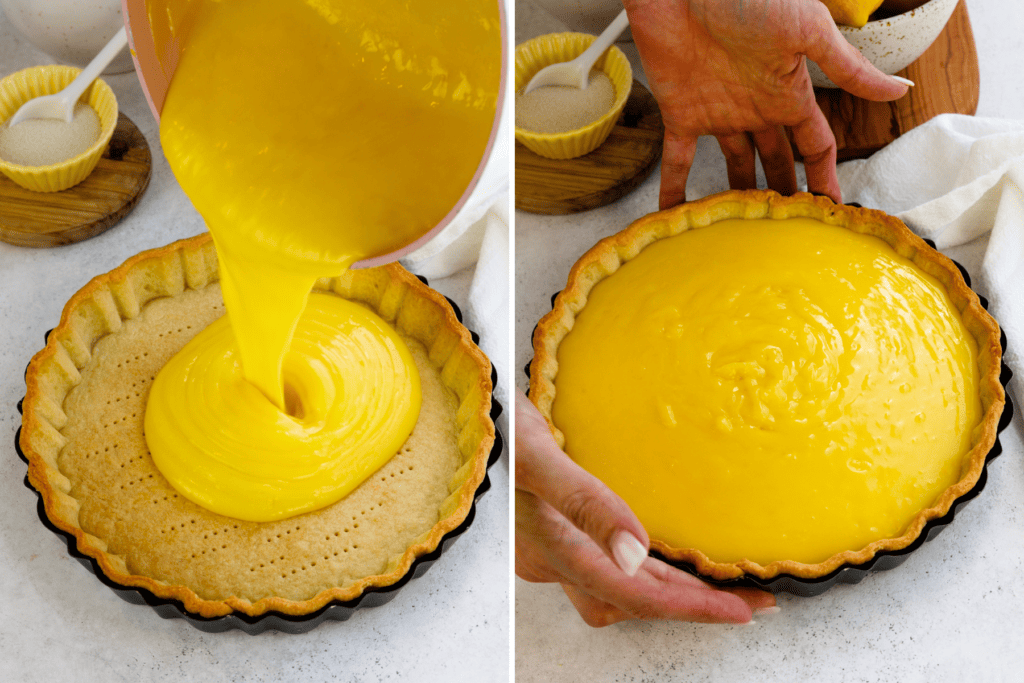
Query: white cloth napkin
956, 179
488, 309
485, 242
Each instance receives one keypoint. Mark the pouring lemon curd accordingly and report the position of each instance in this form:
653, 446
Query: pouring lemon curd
309, 135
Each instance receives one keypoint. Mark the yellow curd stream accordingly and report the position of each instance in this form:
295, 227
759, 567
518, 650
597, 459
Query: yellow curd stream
309, 135
769, 390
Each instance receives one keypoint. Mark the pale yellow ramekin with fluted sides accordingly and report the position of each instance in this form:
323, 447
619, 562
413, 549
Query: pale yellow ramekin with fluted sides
22, 86
534, 55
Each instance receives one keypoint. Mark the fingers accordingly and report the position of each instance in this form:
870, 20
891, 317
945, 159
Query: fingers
559, 538
739, 160
843, 63
545, 471
758, 601
677, 157
776, 155
817, 145
776, 159
540, 531
656, 592
596, 613
549, 548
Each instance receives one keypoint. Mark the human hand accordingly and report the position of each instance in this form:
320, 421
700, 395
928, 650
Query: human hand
735, 69
573, 529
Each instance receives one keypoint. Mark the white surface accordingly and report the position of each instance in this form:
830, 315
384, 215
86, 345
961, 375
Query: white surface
59, 623
70, 31
949, 613
584, 16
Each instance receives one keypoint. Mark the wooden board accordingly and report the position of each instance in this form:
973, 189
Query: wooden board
623, 161
47, 219
946, 82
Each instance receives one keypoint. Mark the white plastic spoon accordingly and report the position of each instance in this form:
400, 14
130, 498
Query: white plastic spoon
62, 105
576, 72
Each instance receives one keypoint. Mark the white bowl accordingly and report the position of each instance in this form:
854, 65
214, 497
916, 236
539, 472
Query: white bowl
70, 31
893, 44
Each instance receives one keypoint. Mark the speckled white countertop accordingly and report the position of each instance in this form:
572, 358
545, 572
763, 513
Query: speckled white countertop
59, 623
951, 612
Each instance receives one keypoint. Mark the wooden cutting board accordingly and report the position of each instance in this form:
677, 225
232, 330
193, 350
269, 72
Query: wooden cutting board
108, 194
623, 161
946, 78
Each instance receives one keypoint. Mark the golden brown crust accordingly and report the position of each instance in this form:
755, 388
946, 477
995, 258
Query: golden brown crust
101, 308
607, 255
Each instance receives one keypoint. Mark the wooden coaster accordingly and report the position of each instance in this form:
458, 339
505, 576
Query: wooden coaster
946, 82
623, 161
48, 219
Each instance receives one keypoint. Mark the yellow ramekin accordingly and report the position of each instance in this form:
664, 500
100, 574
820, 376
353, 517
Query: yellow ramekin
534, 55
22, 86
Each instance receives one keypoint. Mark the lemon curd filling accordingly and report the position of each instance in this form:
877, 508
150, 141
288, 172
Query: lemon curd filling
353, 399
309, 135
769, 389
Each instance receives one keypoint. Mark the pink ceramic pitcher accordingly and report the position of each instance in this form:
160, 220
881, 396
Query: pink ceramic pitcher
155, 49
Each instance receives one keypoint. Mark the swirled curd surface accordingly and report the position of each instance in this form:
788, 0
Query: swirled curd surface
769, 390
352, 397
309, 135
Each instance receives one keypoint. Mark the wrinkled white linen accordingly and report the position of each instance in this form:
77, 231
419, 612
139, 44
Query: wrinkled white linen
956, 179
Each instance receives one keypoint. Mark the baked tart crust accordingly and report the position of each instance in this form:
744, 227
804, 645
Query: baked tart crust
609, 254
98, 482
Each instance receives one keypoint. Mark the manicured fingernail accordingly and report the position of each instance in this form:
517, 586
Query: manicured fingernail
749, 623
629, 553
767, 610
904, 81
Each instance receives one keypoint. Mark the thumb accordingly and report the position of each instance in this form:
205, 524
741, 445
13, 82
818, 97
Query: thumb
843, 63
544, 470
